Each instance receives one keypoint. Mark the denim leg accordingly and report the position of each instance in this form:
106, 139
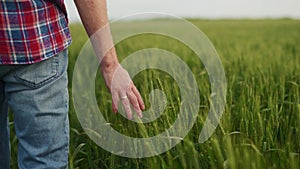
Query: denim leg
4, 130
38, 97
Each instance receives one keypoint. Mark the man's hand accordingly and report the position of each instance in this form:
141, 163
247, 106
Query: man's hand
123, 89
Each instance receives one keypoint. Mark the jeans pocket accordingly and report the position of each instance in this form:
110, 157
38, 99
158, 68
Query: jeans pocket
38, 74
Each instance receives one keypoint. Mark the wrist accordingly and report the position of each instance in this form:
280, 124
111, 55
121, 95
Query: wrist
110, 62
108, 68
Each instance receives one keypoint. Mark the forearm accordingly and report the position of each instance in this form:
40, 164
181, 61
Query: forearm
93, 14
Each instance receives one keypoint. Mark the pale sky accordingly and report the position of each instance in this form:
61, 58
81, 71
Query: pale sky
200, 8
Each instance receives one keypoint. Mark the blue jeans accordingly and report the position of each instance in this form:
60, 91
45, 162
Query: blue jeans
38, 97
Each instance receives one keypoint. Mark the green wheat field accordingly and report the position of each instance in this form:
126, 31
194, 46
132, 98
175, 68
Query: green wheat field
260, 128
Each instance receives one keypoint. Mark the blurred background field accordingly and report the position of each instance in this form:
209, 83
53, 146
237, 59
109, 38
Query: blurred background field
260, 126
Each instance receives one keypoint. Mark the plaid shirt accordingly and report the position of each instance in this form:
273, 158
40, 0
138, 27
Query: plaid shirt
32, 30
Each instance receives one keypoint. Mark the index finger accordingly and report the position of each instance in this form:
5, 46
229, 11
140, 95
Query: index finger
139, 97
126, 105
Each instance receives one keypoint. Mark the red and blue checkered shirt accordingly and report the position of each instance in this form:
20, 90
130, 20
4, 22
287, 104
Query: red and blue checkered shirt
32, 30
